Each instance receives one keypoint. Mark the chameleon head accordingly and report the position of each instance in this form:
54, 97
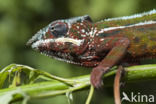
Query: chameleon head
60, 35
49, 34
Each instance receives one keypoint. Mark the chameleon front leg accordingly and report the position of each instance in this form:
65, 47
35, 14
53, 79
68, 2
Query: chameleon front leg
117, 51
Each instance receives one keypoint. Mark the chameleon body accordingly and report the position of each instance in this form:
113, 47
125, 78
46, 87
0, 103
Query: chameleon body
100, 45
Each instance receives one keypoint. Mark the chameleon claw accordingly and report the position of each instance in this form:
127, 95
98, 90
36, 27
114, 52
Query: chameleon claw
96, 77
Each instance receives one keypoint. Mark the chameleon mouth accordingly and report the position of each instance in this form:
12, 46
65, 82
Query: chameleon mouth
35, 43
66, 57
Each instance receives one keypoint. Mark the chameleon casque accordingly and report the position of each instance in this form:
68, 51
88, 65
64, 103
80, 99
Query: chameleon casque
100, 45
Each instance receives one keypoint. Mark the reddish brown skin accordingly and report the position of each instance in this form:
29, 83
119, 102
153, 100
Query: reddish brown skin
111, 48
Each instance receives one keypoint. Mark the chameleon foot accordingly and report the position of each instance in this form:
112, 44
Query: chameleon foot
96, 76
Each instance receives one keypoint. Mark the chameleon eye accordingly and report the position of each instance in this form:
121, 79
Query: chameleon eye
59, 29
52, 28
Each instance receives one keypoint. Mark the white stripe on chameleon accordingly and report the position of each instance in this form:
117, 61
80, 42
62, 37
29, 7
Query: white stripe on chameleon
61, 39
71, 40
37, 43
122, 27
132, 16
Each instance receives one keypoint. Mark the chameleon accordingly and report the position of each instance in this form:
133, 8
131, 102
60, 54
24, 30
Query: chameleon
100, 45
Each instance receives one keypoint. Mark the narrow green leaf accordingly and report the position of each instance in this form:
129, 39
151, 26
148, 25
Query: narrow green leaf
9, 96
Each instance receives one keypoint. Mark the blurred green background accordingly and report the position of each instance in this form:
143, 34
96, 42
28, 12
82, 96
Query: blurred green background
21, 19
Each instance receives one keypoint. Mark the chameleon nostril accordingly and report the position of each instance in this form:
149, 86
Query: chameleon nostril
31, 41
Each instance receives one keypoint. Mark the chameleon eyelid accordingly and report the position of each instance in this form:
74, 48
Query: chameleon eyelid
52, 28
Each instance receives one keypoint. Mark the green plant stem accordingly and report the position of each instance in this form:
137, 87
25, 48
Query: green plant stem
90, 95
53, 88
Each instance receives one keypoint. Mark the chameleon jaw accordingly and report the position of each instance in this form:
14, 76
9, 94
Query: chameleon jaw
66, 57
56, 54
38, 43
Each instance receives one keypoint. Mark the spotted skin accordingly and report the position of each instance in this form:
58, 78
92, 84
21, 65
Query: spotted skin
100, 45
